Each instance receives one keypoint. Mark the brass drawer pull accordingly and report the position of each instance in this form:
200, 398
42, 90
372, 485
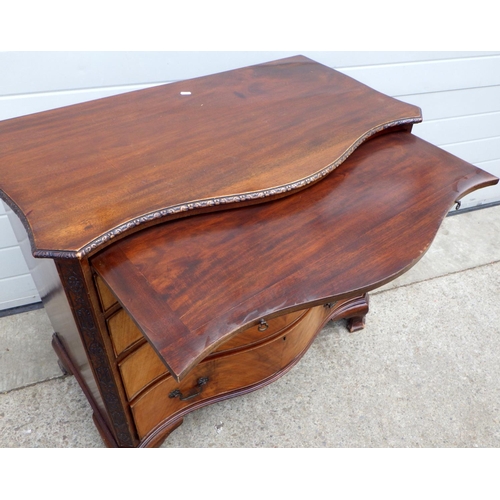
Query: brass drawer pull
263, 326
201, 382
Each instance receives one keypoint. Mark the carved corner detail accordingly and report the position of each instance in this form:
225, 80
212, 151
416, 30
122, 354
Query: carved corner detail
71, 274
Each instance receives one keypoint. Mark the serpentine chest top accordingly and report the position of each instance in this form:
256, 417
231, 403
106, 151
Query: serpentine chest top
157, 313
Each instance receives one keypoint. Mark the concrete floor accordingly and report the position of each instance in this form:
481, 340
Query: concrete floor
425, 372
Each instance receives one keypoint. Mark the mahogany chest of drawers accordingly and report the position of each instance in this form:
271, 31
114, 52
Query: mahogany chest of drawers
194, 238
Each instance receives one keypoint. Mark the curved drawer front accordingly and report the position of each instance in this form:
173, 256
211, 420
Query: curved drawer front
106, 296
139, 369
143, 366
219, 375
123, 331
257, 333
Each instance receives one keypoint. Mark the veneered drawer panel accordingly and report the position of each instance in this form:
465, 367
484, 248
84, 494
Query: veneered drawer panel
143, 365
140, 368
123, 331
106, 296
225, 374
253, 335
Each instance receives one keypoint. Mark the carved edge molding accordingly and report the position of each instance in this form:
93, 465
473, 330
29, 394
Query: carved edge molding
221, 200
77, 294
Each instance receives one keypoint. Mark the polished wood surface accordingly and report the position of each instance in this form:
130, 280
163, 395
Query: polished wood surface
166, 319
191, 284
82, 175
143, 366
262, 362
224, 374
122, 331
105, 294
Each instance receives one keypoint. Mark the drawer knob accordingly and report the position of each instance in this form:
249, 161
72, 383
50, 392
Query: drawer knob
201, 382
263, 326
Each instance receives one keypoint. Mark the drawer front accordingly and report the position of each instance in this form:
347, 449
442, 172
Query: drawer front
123, 331
260, 332
139, 369
225, 374
143, 366
106, 296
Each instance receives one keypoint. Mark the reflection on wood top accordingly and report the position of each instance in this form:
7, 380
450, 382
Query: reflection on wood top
81, 175
191, 284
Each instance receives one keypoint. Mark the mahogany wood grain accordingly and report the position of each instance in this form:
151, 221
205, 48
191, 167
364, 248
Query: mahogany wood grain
105, 294
304, 333
123, 331
225, 374
192, 284
255, 334
81, 175
141, 367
